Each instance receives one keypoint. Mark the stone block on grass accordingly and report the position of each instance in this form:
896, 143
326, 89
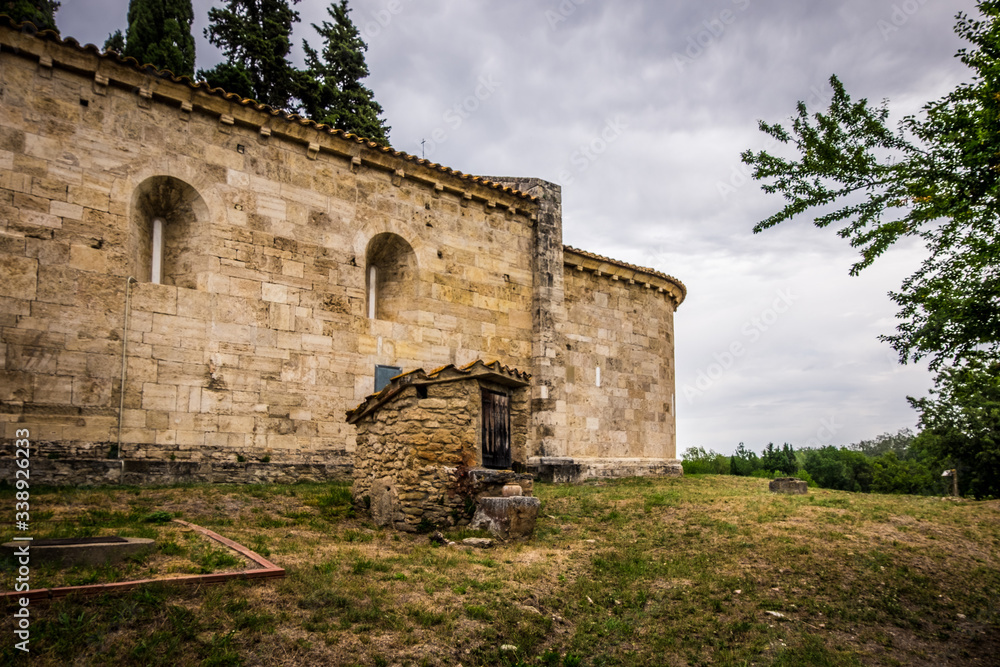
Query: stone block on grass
790, 485
509, 518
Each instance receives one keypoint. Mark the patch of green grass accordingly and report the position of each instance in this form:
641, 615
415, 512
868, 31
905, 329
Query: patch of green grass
365, 565
661, 499
245, 618
478, 612
813, 652
336, 503
357, 536
222, 653
268, 521
426, 617
209, 558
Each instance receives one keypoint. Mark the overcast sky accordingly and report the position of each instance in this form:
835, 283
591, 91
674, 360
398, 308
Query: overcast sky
640, 110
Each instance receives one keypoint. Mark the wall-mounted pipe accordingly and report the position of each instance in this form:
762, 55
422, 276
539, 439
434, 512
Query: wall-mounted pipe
121, 392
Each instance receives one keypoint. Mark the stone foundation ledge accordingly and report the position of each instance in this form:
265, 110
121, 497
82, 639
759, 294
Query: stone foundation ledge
561, 469
140, 472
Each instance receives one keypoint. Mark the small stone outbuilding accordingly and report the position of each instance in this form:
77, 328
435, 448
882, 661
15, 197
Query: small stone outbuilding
430, 444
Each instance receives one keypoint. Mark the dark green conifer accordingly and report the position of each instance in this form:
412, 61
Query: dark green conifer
158, 33
332, 91
255, 36
42, 13
115, 42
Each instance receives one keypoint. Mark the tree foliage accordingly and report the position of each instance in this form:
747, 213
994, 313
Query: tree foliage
159, 33
961, 421
935, 177
255, 37
900, 443
840, 468
892, 474
780, 460
744, 462
697, 461
115, 42
889, 463
42, 13
332, 90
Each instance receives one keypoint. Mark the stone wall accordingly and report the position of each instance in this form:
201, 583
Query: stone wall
417, 457
548, 393
258, 341
96, 472
619, 365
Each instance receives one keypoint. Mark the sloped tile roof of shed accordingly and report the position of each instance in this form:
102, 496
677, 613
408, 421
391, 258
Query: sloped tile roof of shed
477, 368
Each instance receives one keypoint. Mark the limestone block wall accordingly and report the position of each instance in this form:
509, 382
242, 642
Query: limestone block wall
549, 434
259, 338
619, 350
416, 457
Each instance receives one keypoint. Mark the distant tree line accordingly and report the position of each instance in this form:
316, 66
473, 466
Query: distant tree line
890, 463
256, 38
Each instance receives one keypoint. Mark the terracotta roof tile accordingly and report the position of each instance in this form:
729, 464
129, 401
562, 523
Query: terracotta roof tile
418, 376
626, 265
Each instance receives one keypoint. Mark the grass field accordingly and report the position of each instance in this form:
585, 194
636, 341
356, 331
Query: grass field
708, 570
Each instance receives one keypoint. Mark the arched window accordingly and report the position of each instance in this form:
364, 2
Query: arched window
170, 232
391, 274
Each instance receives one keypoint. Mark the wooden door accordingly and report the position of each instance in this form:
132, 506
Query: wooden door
496, 430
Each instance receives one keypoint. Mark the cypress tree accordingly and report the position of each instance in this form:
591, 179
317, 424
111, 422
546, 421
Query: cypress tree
159, 33
42, 13
255, 36
115, 42
332, 91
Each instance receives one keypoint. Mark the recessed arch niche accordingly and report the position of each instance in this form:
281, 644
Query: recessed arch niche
390, 278
170, 232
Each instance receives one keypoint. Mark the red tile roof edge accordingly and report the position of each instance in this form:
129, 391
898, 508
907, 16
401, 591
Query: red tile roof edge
631, 267
373, 401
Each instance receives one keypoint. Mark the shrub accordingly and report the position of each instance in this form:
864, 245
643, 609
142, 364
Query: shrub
842, 469
699, 462
892, 475
744, 462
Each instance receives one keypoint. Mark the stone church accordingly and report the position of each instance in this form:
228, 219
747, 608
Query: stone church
194, 287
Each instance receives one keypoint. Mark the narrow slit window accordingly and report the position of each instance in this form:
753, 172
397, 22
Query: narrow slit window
598, 376
372, 282
170, 237
156, 264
